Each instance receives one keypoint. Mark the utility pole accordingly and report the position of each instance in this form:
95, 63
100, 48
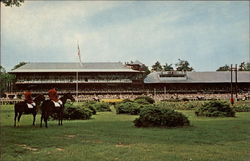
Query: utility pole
231, 90
236, 85
77, 86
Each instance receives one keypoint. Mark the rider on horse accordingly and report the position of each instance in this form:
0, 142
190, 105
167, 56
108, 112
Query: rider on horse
54, 97
28, 99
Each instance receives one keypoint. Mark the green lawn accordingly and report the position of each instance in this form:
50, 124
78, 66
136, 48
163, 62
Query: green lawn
111, 137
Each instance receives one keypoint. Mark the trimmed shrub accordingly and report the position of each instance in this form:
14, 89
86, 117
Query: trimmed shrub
91, 106
181, 105
77, 113
142, 101
102, 106
242, 107
127, 100
74, 112
154, 116
215, 109
146, 98
128, 108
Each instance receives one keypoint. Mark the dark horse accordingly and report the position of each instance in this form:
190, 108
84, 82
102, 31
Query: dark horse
22, 107
48, 108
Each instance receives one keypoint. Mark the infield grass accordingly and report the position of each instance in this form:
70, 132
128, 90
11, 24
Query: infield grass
111, 137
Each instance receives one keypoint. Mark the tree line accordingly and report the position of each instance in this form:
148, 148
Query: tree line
6, 79
182, 65
242, 67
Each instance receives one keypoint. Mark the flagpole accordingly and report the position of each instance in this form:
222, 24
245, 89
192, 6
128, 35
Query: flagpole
76, 86
78, 53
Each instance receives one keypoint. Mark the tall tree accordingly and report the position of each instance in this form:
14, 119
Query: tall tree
12, 3
248, 66
19, 65
5, 80
183, 65
224, 68
244, 66
167, 67
2, 70
157, 67
145, 69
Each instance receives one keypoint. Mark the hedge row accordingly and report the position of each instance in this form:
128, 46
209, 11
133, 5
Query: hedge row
77, 112
128, 108
83, 111
242, 107
181, 105
151, 115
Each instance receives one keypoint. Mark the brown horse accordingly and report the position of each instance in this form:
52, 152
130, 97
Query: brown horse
22, 107
48, 108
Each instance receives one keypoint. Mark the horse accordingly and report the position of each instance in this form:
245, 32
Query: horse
22, 107
48, 108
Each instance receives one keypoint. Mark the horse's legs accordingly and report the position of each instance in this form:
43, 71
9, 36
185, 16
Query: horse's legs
34, 118
45, 117
15, 118
18, 119
41, 123
46, 121
61, 117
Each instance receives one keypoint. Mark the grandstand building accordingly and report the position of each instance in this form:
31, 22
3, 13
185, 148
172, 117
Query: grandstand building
119, 78
197, 82
102, 77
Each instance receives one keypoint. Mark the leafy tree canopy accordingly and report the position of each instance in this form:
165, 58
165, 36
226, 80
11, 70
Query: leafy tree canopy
145, 69
2, 70
157, 67
12, 3
244, 66
167, 67
248, 67
224, 68
183, 65
5, 79
19, 65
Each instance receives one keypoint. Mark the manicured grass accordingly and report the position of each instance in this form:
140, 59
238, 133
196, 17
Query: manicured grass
111, 137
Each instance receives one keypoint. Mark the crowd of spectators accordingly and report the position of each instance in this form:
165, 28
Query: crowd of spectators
170, 97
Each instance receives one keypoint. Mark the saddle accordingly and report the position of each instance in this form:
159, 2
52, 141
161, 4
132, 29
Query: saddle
31, 105
58, 103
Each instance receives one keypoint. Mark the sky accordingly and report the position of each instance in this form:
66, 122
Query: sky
206, 34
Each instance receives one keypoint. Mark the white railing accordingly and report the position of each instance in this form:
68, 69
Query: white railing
74, 81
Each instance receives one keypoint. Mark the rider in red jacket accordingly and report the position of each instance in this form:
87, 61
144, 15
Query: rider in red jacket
53, 94
28, 97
